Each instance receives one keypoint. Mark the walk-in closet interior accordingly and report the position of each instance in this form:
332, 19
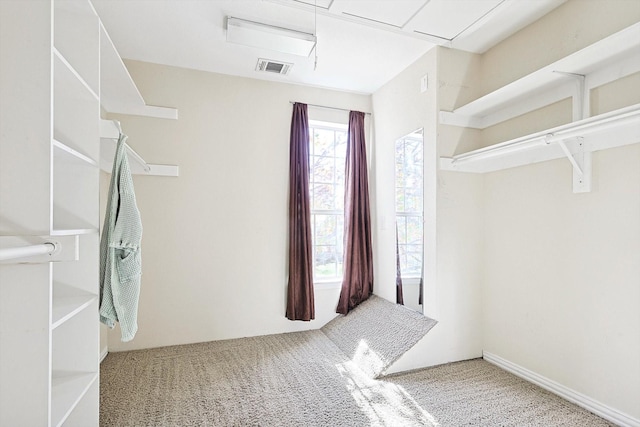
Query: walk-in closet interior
372, 192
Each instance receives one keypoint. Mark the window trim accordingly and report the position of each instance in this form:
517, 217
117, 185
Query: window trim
336, 281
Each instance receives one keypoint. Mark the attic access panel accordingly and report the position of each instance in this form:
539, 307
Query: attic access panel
448, 19
324, 4
395, 13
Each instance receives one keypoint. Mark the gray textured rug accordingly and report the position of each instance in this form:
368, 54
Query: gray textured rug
377, 332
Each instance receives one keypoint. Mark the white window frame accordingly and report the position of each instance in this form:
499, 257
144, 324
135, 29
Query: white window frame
336, 281
411, 278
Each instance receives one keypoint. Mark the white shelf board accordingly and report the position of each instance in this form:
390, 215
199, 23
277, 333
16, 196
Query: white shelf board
109, 134
548, 84
73, 231
76, 35
118, 93
68, 154
609, 130
67, 389
69, 75
65, 307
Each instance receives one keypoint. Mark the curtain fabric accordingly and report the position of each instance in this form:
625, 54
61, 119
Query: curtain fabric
357, 282
399, 296
300, 299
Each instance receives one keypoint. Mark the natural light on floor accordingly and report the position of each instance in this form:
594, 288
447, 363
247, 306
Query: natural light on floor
385, 404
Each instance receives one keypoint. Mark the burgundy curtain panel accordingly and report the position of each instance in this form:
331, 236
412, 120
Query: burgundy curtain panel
357, 281
300, 302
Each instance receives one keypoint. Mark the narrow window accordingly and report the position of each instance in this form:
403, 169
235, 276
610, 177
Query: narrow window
409, 205
326, 187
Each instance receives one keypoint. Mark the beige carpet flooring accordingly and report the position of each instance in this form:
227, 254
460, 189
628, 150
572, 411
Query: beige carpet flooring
325, 378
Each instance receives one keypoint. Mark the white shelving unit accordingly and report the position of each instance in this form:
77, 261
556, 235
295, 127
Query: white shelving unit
574, 76
49, 341
58, 69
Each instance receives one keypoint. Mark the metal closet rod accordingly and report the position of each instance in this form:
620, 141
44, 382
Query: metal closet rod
324, 106
47, 248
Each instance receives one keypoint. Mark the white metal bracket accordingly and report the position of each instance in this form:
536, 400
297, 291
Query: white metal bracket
580, 159
581, 162
581, 98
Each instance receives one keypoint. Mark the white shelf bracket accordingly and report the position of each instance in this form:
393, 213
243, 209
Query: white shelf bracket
581, 162
581, 99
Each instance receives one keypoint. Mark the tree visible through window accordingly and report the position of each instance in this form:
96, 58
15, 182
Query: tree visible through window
326, 187
409, 206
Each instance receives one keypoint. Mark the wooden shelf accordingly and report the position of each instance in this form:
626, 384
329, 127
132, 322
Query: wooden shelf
613, 129
609, 59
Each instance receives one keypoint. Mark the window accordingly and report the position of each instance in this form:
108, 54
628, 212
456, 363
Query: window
409, 183
326, 187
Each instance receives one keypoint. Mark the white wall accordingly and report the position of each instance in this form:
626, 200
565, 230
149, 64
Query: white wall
215, 238
452, 209
562, 270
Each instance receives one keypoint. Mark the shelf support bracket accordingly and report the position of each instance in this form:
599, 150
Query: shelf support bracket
581, 162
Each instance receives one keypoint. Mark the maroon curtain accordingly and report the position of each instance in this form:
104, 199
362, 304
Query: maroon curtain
300, 304
357, 281
399, 295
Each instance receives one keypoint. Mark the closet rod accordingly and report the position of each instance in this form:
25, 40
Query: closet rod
324, 106
47, 248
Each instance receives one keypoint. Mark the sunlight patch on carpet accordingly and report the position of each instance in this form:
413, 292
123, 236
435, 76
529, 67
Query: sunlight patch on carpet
376, 333
384, 403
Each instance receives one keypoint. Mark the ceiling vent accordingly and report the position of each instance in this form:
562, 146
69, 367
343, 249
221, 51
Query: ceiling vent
270, 66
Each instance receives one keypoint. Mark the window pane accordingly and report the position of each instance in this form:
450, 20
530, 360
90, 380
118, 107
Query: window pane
414, 230
409, 204
414, 260
325, 230
323, 144
322, 169
339, 165
327, 192
325, 261
323, 197
341, 147
400, 151
400, 199
400, 175
402, 229
413, 200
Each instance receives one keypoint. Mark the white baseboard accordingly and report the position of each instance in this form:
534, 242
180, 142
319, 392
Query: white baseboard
573, 396
103, 353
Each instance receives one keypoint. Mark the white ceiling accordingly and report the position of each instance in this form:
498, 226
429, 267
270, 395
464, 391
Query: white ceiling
362, 44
